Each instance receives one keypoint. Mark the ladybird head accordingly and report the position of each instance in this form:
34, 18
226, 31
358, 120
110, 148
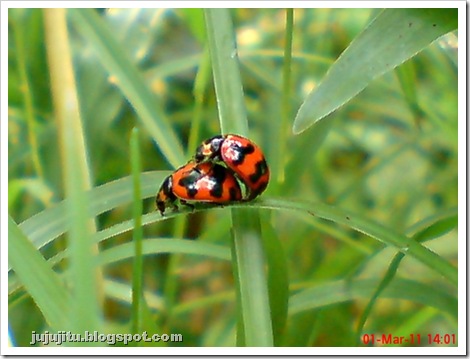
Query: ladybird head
165, 195
209, 149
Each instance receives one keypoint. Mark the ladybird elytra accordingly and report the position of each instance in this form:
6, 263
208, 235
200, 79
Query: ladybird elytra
198, 182
242, 156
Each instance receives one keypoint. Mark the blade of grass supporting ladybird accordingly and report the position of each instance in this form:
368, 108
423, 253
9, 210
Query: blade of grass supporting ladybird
85, 274
373, 229
252, 289
393, 37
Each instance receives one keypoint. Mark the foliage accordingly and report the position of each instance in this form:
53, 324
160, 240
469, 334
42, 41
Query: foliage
356, 233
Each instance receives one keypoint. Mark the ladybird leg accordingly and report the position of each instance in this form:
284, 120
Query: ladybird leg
183, 202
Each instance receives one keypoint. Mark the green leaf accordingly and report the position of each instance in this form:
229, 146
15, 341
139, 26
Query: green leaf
41, 282
343, 291
225, 68
85, 313
372, 229
393, 37
254, 320
436, 226
138, 300
164, 245
130, 81
278, 278
47, 225
118, 192
252, 281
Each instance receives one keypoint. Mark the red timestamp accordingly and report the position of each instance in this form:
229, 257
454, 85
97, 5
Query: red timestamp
411, 339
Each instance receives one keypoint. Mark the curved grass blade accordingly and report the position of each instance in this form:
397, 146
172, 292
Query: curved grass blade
118, 63
117, 192
114, 193
372, 229
393, 37
152, 246
47, 225
435, 226
342, 291
432, 227
41, 282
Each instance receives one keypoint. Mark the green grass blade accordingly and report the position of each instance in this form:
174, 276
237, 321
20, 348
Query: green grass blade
372, 229
435, 226
86, 311
163, 245
119, 192
47, 225
20, 44
429, 228
248, 251
342, 291
226, 72
253, 300
41, 282
414, 323
201, 83
282, 133
406, 75
380, 232
278, 278
137, 270
393, 37
386, 280
130, 81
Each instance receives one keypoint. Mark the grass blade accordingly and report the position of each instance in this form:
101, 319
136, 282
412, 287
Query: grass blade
85, 313
342, 291
248, 251
226, 72
47, 225
278, 279
252, 289
137, 271
41, 282
130, 81
372, 229
393, 37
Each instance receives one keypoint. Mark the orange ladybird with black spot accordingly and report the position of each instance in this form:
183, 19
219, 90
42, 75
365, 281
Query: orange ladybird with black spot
240, 155
198, 182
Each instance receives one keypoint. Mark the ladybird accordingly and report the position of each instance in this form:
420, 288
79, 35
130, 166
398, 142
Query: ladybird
240, 155
198, 182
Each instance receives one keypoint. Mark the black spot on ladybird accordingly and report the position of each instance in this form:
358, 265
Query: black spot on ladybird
260, 169
242, 151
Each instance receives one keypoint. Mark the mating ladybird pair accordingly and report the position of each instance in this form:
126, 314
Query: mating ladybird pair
213, 175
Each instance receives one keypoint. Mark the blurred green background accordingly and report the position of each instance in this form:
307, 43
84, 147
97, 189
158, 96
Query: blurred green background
390, 154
